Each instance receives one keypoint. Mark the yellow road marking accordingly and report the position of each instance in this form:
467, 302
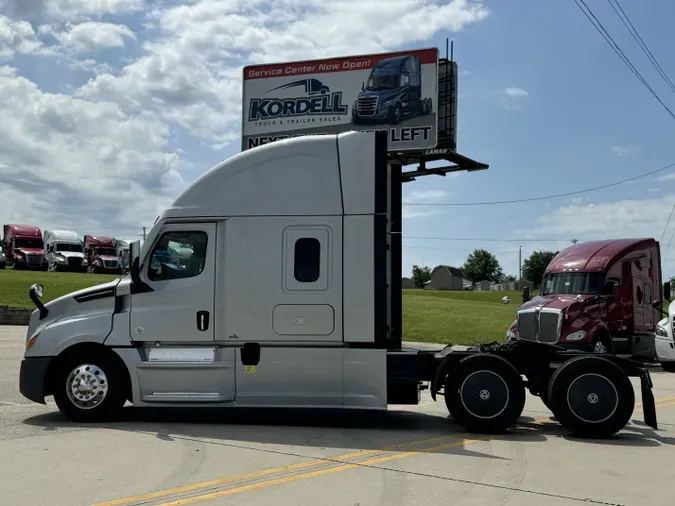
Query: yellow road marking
321, 472
316, 462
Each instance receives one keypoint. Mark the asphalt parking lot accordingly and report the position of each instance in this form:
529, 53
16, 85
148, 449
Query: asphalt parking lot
411, 456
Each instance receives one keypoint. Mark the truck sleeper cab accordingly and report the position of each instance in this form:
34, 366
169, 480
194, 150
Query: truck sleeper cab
601, 296
393, 92
23, 247
261, 312
65, 251
101, 255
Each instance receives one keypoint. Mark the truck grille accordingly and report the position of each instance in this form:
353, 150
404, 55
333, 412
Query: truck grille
74, 262
367, 106
537, 325
110, 264
34, 259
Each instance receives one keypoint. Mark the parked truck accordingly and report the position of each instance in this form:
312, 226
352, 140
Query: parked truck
393, 92
23, 247
289, 298
602, 296
65, 251
101, 255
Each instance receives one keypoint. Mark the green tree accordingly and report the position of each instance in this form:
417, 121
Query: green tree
535, 265
421, 275
509, 277
482, 265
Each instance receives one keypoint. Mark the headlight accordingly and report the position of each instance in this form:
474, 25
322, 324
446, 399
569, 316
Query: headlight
661, 331
84, 261
576, 336
61, 260
387, 103
511, 335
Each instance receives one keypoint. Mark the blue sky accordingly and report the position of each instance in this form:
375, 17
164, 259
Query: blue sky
115, 111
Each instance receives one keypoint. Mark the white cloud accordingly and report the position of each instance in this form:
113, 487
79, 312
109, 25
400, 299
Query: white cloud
426, 197
624, 218
67, 9
88, 162
16, 37
89, 36
513, 92
667, 177
626, 150
191, 74
102, 157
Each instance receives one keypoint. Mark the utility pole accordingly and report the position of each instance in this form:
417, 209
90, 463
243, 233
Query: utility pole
143, 234
520, 264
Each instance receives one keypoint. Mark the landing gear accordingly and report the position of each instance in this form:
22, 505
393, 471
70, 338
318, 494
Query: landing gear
484, 394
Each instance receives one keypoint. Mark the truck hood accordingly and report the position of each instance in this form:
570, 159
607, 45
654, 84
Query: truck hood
383, 95
70, 254
30, 250
552, 301
94, 302
107, 257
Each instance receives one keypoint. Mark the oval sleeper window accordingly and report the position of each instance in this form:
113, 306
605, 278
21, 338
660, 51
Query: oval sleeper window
307, 260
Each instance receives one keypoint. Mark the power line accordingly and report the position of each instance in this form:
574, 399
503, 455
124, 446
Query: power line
483, 239
545, 197
601, 30
636, 36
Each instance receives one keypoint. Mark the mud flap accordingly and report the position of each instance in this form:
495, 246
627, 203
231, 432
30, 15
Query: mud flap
648, 405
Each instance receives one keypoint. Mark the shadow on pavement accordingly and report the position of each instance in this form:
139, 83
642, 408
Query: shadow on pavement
328, 429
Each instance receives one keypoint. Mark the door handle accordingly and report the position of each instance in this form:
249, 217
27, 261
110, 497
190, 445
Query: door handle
202, 320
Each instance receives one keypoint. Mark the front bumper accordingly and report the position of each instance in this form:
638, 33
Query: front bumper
32, 378
665, 349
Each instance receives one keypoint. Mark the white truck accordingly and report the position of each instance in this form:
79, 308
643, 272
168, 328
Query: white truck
65, 251
664, 336
291, 298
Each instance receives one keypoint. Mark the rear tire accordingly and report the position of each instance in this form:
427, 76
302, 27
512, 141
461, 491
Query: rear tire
90, 387
591, 397
484, 394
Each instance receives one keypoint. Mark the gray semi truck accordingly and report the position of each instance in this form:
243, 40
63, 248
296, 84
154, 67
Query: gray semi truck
289, 298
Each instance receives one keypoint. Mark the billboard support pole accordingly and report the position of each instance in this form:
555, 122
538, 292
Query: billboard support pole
396, 254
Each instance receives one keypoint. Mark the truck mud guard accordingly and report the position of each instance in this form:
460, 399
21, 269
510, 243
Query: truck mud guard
648, 404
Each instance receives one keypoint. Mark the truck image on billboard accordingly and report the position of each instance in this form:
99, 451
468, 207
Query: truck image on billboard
396, 92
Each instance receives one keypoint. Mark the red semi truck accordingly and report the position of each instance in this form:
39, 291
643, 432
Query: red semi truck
601, 296
101, 254
22, 247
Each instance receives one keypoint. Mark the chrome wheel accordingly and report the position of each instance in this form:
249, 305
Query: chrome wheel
87, 386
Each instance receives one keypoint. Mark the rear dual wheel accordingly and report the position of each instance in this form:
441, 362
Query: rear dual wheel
484, 394
591, 397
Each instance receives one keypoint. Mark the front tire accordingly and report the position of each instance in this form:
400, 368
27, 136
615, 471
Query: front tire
90, 387
591, 397
484, 394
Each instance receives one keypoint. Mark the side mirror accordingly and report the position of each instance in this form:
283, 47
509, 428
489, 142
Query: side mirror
666, 290
505, 300
134, 271
363, 86
657, 305
35, 292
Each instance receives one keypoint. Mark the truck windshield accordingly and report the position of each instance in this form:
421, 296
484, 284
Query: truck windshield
69, 247
106, 251
383, 81
28, 243
573, 283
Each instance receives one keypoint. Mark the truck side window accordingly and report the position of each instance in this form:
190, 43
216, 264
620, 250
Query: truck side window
178, 254
307, 260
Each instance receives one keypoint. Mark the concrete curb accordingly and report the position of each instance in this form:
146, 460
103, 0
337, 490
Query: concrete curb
10, 316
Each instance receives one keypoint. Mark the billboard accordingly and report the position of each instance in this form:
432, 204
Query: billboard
396, 92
